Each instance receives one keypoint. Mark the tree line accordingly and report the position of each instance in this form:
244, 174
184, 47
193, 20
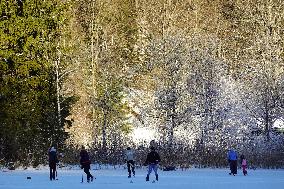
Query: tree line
205, 75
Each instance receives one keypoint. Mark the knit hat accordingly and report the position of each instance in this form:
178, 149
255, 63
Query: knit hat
52, 149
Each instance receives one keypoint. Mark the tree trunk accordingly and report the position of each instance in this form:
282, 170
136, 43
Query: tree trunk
104, 143
92, 59
57, 97
267, 123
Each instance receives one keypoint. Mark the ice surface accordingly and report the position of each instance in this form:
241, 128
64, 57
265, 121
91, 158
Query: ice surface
117, 179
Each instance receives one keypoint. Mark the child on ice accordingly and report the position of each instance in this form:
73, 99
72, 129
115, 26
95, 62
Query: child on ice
244, 165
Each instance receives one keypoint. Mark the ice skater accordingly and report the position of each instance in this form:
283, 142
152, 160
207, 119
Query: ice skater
244, 165
52, 160
233, 161
86, 164
153, 159
129, 158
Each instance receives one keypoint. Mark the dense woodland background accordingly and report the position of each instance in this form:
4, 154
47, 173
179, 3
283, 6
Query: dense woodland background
204, 75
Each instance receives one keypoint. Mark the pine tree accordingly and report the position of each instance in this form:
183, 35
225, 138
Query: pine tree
29, 36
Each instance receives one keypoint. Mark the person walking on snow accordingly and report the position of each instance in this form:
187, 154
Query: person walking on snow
129, 158
244, 165
233, 161
86, 163
153, 158
52, 160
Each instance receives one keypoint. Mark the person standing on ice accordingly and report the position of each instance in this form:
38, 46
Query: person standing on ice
244, 165
86, 163
233, 161
153, 158
52, 160
129, 158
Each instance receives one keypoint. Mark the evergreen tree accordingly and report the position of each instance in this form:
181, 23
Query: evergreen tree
29, 34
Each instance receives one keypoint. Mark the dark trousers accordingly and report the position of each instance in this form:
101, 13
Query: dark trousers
131, 167
233, 166
87, 171
244, 169
52, 171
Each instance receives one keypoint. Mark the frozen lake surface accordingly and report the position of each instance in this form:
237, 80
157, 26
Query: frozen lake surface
117, 179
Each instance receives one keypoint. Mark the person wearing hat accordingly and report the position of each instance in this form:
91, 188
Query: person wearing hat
52, 159
153, 159
129, 158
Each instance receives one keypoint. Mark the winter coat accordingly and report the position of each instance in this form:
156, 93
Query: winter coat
232, 155
52, 158
85, 159
244, 162
129, 155
153, 158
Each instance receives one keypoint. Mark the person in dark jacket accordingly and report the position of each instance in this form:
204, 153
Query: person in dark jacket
52, 159
153, 158
86, 163
233, 161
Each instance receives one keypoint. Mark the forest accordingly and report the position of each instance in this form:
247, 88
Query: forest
198, 77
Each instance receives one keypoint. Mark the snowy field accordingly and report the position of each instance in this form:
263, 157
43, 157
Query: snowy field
117, 179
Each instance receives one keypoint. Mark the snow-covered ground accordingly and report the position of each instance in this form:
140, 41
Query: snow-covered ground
117, 179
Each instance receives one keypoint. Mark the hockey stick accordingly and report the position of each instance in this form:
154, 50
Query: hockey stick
56, 178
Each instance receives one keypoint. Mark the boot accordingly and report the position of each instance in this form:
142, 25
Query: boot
157, 177
147, 178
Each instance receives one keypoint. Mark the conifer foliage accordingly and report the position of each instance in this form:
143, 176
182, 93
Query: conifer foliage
29, 36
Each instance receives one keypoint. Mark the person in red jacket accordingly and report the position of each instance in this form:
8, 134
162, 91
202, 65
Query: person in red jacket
86, 163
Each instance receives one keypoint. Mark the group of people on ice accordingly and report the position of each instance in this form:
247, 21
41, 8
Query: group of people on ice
85, 163
233, 162
152, 161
